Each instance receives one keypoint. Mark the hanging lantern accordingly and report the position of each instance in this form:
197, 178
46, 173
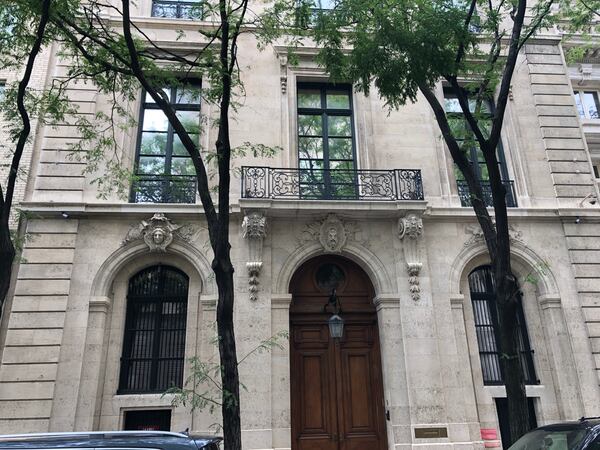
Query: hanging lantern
336, 326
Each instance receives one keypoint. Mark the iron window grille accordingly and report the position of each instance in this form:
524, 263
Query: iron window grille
326, 144
466, 140
155, 324
164, 171
174, 9
483, 298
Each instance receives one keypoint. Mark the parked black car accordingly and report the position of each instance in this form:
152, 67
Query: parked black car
115, 440
583, 434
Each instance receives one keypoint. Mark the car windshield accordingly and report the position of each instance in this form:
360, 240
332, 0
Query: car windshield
550, 440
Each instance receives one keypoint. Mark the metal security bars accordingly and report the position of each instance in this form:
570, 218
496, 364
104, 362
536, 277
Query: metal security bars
174, 9
483, 298
154, 341
164, 189
322, 184
465, 194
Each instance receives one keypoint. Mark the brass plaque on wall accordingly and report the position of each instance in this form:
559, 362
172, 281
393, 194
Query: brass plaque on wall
431, 433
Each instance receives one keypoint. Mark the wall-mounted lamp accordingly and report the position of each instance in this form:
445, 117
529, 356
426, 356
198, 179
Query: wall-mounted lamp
335, 322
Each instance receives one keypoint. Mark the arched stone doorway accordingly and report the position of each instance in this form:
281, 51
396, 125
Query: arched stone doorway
337, 398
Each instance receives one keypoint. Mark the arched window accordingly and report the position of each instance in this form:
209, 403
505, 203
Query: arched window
483, 296
154, 341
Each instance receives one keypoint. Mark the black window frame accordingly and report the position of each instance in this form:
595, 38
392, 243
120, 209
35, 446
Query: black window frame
580, 94
166, 183
473, 157
493, 376
325, 113
129, 373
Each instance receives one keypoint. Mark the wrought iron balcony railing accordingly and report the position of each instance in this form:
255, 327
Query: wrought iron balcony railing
324, 184
173, 9
465, 194
164, 189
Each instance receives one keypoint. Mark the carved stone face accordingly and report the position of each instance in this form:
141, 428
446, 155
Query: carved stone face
158, 236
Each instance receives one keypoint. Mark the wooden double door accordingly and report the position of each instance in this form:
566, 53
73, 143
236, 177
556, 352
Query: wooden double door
337, 398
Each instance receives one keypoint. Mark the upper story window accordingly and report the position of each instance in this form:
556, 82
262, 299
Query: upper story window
485, 314
324, 4
326, 149
164, 170
2, 87
587, 103
177, 9
464, 136
155, 324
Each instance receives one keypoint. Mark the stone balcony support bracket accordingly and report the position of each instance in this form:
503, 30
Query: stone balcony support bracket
410, 230
254, 229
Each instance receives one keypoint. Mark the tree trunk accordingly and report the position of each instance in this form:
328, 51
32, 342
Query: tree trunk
507, 301
227, 350
7, 257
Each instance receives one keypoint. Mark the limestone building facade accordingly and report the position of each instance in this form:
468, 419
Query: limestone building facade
114, 296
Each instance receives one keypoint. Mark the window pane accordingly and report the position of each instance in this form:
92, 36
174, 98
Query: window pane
153, 143
316, 165
580, 108
309, 125
339, 126
342, 165
310, 148
190, 120
337, 100
179, 149
167, 92
340, 148
151, 165
182, 166
309, 98
188, 95
451, 104
324, 4
155, 120
590, 100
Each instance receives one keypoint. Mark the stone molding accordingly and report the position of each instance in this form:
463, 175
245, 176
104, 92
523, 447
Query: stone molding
99, 305
332, 233
158, 233
457, 301
281, 301
549, 301
410, 230
386, 301
254, 230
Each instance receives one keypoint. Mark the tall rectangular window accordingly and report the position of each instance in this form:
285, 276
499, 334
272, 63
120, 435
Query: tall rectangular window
466, 140
483, 298
587, 103
164, 170
326, 149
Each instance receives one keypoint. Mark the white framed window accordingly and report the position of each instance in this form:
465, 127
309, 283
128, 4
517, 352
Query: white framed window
588, 105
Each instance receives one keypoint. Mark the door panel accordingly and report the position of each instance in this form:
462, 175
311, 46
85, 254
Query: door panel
336, 385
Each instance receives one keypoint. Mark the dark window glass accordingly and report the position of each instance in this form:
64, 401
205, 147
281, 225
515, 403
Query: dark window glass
154, 341
164, 170
148, 420
177, 9
1, 90
467, 141
326, 152
483, 298
502, 412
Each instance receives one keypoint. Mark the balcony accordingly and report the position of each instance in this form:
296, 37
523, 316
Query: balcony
325, 184
173, 9
164, 189
465, 195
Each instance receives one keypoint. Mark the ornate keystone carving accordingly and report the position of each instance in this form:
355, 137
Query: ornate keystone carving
254, 229
410, 229
475, 234
158, 232
331, 232
283, 78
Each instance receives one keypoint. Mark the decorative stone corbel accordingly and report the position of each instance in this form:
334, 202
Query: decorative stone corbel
410, 229
254, 229
283, 77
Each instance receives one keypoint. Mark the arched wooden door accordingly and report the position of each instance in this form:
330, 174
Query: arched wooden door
336, 385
